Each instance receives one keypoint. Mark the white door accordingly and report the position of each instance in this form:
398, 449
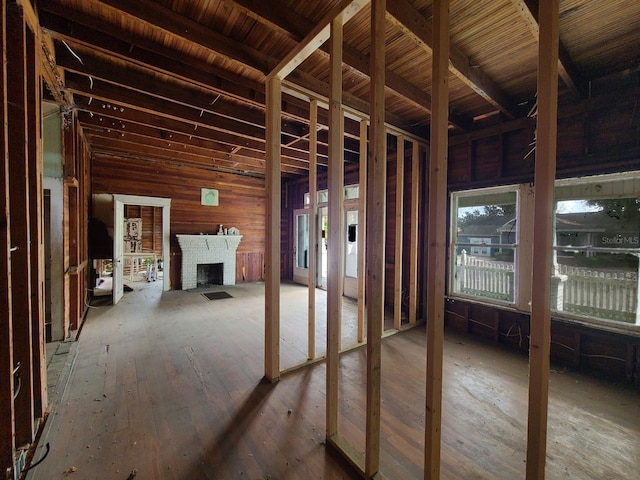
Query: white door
350, 283
301, 246
118, 250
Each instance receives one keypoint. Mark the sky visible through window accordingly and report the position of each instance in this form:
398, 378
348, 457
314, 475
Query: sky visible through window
576, 206
564, 206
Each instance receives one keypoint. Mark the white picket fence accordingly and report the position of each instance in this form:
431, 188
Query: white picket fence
609, 295
484, 278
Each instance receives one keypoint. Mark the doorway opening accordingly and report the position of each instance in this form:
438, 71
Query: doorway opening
149, 259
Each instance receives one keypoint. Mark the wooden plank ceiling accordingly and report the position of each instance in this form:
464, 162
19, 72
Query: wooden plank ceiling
183, 81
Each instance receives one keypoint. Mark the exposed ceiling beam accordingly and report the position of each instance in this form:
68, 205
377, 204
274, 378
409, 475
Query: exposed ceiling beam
86, 104
206, 101
355, 106
566, 69
185, 95
159, 16
401, 86
123, 98
90, 121
320, 33
298, 26
224, 118
95, 35
131, 145
273, 14
393, 122
412, 22
95, 117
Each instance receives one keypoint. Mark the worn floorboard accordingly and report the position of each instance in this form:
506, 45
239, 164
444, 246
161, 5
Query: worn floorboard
170, 385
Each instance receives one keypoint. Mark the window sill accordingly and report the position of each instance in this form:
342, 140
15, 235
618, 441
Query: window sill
486, 303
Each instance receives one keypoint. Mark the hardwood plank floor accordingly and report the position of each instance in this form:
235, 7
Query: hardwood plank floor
170, 384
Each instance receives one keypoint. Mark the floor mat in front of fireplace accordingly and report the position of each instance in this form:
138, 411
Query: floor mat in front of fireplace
217, 295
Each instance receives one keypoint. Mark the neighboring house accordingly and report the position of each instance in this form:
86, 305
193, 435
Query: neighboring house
597, 229
485, 231
586, 229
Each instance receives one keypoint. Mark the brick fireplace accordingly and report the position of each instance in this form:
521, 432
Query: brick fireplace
208, 249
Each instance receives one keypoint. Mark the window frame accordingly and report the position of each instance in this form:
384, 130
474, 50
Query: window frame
609, 186
454, 244
600, 187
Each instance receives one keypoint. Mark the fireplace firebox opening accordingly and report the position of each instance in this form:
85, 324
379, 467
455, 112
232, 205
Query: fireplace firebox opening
210, 274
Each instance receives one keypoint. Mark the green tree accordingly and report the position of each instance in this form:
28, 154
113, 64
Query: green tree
619, 208
484, 212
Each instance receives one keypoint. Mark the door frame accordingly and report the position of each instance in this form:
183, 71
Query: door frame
118, 237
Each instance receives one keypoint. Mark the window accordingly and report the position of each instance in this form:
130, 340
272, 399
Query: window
351, 203
351, 192
484, 243
596, 247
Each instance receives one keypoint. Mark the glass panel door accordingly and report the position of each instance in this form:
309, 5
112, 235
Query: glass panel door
323, 233
301, 246
351, 254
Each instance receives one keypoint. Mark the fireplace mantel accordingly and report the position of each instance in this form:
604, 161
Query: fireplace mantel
204, 249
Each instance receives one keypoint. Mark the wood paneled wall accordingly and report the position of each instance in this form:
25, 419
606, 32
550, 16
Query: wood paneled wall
600, 135
242, 205
7, 410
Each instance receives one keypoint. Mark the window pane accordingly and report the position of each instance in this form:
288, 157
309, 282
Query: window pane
351, 253
596, 259
480, 221
484, 237
488, 278
302, 240
351, 192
